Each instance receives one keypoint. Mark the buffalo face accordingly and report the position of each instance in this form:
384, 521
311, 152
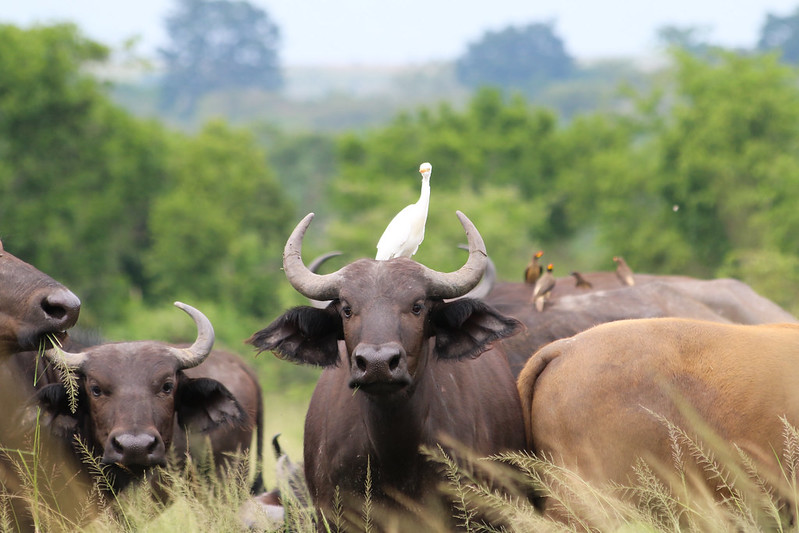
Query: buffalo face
130, 395
33, 306
386, 318
383, 310
385, 347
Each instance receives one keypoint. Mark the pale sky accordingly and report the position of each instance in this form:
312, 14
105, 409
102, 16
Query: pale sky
367, 32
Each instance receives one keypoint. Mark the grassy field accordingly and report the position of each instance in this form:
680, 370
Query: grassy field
284, 415
708, 485
739, 496
736, 496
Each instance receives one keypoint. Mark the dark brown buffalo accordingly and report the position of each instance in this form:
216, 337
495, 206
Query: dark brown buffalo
573, 309
33, 309
596, 401
32, 306
136, 401
402, 370
727, 297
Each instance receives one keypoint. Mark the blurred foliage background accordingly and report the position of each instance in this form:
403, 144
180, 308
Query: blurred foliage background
688, 167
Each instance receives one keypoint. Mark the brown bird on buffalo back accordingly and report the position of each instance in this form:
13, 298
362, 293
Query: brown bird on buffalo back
533, 270
543, 288
623, 271
580, 281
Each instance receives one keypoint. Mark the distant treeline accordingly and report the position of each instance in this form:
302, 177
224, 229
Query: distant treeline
699, 176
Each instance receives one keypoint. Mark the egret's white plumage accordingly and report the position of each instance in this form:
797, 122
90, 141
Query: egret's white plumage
405, 232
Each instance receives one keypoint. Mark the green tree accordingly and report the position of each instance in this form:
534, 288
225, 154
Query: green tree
781, 33
517, 57
712, 183
498, 161
691, 38
76, 174
303, 163
116, 207
218, 232
218, 44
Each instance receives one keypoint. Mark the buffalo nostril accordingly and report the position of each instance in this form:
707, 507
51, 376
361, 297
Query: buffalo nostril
116, 445
394, 362
61, 306
53, 310
360, 362
134, 444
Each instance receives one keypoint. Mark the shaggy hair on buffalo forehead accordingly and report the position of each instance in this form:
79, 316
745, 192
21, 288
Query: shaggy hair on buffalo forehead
136, 354
365, 276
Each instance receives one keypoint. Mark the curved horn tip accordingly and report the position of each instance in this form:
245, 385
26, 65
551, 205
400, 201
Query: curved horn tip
189, 310
294, 243
306, 219
197, 352
196, 314
469, 225
73, 361
309, 284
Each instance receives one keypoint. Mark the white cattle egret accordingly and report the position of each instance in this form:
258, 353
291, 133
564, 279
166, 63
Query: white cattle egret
405, 232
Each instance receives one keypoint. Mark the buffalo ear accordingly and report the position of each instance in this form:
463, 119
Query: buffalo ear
466, 328
303, 335
205, 403
56, 412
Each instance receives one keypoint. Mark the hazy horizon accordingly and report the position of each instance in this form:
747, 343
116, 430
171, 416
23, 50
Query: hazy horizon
364, 32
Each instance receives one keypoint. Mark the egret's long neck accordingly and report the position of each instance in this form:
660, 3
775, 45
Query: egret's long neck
424, 197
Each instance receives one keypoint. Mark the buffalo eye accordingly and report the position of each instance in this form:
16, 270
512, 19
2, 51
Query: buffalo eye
95, 391
417, 308
168, 387
346, 311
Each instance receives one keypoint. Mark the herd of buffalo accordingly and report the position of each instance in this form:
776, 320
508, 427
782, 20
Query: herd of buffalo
412, 359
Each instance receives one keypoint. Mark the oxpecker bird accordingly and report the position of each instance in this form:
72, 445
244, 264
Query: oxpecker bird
533, 270
580, 281
543, 288
623, 271
405, 232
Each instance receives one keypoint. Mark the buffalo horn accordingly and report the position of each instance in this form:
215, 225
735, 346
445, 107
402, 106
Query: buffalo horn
458, 283
313, 266
197, 352
73, 361
312, 286
486, 284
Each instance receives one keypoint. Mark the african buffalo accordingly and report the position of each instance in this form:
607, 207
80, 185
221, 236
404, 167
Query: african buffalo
598, 400
728, 297
33, 306
136, 400
34, 309
575, 310
402, 369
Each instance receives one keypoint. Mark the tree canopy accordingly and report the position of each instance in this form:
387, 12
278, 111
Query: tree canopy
218, 230
115, 206
781, 33
521, 58
218, 44
698, 176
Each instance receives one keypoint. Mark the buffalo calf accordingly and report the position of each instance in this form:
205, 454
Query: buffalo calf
137, 400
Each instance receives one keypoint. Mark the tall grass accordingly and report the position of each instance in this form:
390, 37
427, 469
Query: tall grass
705, 488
